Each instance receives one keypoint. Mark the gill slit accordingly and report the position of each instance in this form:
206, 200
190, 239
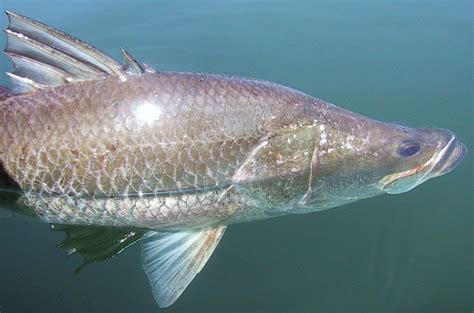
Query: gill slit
314, 159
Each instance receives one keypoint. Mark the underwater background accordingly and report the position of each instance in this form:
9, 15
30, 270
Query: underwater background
404, 61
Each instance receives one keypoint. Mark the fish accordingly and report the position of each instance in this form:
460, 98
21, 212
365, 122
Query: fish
114, 154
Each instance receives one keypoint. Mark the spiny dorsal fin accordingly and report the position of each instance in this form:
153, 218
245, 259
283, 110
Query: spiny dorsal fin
96, 243
46, 57
131, 65
172, 260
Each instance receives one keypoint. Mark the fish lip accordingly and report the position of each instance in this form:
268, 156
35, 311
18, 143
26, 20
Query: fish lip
440, 160
457, 153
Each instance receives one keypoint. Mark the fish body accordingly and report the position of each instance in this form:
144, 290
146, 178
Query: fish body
177, 157
170, 150
157, 150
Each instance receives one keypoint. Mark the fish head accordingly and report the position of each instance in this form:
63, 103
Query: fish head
379, 158
419, 154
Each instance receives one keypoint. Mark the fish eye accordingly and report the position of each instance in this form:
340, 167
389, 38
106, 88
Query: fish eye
408, 148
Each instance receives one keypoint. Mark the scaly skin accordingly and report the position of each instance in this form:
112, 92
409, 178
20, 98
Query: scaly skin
168, 150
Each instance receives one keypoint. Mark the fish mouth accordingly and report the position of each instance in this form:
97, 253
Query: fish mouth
450, 160
443, 162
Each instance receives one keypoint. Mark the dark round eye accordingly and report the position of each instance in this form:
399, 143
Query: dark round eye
408, 148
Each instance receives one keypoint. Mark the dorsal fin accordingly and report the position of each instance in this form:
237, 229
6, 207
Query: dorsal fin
45, 57
132, 66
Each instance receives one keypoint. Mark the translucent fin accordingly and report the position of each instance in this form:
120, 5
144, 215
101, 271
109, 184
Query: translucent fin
46, 57
23, 84
172, 260
131, 65
96, 243
37, 71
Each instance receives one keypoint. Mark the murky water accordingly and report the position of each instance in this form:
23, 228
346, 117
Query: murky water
408, 61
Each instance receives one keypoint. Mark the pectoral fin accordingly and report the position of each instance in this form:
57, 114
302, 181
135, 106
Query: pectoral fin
172, 260
96, 243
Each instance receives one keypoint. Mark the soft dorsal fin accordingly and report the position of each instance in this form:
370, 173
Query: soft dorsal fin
96, 243
46, 57
172, 260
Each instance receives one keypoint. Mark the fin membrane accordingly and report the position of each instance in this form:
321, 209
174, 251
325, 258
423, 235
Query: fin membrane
172, 260
45, 57
96, 243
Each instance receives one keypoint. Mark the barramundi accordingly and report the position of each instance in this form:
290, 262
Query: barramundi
117, 153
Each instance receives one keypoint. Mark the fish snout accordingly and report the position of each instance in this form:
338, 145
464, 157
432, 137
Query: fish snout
450, 155
436, 136
453, 157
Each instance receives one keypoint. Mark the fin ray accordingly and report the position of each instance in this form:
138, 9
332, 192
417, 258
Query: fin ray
172, 260
37, 71
20, 45
131, 66
96, 243
62, 42
46, 57
23, 84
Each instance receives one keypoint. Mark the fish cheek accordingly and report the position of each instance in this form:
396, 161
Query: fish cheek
276, 171
275, 192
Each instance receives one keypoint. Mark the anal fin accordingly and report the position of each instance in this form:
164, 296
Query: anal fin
172, 260
96, 243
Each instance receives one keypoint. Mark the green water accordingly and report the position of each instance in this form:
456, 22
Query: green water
404, 61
